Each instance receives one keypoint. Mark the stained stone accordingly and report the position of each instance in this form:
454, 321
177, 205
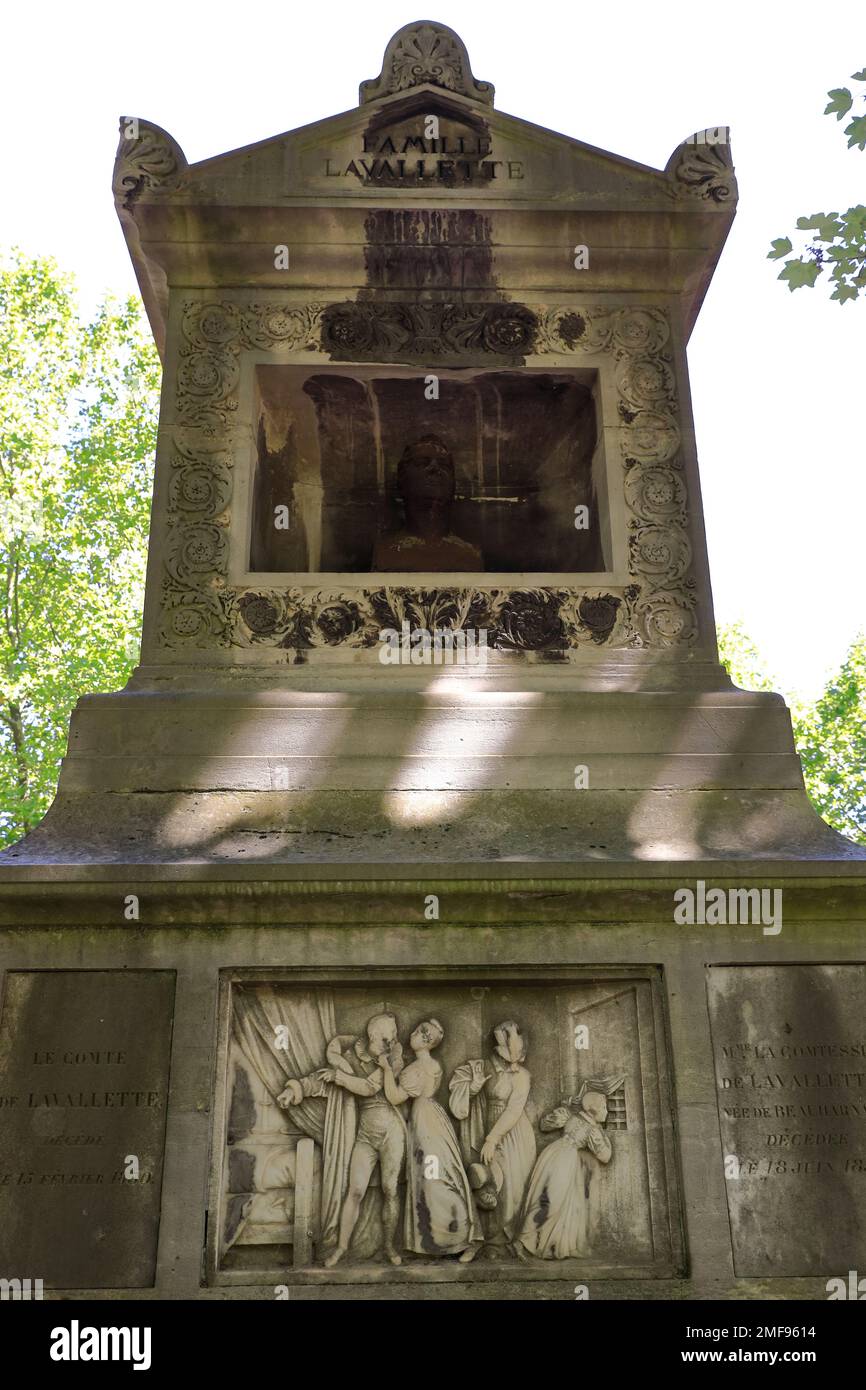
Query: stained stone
438, 1033
84, 1061
789, 1043
393, 1092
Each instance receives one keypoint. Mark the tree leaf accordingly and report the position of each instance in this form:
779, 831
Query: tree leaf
826, 224
840, 102
799, 273
844, 292
781, 246
856, 132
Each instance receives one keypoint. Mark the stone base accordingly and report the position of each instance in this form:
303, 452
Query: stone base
219, 930
452, 774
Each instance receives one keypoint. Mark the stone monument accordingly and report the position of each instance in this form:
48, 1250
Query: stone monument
327, 972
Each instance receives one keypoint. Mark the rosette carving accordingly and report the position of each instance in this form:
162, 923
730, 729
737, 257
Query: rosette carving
201, 482
661, 553
651, 436
666, 618
644, 382
195, 552
644, 331
269, 326
333, 621
259, 615
656, 494
206, 384
529, 620
192, 619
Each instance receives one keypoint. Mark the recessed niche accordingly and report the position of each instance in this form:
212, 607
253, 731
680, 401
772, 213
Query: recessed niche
331, 494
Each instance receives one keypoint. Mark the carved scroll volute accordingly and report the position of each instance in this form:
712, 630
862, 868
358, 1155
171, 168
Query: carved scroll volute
702, 168
147, 158
421, 53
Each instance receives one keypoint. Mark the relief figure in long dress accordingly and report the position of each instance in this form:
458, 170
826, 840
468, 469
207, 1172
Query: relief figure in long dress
554, 1224
439, 1216
489, 1099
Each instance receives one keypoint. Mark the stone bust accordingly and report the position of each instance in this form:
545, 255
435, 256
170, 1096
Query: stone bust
426, 485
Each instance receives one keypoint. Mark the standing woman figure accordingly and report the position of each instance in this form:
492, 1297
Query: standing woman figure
440, 1216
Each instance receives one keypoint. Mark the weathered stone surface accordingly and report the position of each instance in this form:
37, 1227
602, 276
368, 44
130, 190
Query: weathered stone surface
492, 1121
790, 1051
84, 1058
426, 266
317, 837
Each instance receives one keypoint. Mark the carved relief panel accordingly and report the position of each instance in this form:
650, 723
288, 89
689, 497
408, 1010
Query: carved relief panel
446, 1128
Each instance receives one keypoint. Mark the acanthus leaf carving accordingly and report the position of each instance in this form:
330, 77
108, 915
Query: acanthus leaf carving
704, 171
426, 53
147, 158
358, 331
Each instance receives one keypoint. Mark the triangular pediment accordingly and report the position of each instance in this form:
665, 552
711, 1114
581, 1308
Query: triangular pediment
425, 135
425, 141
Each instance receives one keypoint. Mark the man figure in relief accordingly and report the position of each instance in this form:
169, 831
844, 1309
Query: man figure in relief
354, 1065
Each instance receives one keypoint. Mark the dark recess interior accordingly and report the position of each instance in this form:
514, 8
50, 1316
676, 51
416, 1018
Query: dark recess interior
523, 444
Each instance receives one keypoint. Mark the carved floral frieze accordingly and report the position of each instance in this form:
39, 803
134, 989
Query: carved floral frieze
655, 609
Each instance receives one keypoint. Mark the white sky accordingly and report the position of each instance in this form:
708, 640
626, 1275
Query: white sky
777, 378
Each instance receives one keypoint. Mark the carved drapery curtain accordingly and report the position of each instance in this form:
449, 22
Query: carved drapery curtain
306, 1024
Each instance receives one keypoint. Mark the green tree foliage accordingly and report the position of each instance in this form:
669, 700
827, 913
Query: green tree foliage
839, 238
78, 414
830, 732
744, 663
831, 738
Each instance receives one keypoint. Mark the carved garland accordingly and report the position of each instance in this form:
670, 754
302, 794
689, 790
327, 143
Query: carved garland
655, 610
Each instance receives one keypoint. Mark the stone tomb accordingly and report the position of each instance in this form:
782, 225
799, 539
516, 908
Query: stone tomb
404, 937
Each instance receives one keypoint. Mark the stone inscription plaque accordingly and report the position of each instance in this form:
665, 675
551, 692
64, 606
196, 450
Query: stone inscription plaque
84, 1065
790, 1055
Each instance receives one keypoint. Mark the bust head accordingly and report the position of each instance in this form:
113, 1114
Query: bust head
426, 485
426, 478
